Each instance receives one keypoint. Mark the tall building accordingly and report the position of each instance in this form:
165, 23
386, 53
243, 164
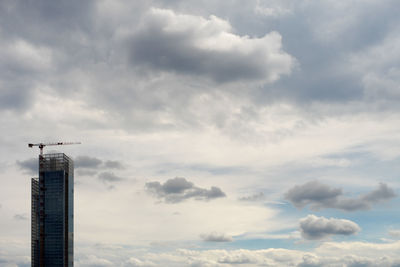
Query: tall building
53, 212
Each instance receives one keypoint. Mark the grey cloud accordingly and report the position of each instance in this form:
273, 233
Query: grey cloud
86, 172
314, 228
394, 233
20, 217
348, 204
31, 165
314, 193
214, 192
61, 15
113, 164
254, 197
79, 34
179, 189
216, 237
22, 65
27, 46
381, 194
13, 99
320, 196
87, 162
74, 37
177, 185
85, 165
207, 47
325, 74
13, 260
109, 177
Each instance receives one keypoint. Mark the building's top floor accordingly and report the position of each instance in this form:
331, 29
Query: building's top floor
55, 162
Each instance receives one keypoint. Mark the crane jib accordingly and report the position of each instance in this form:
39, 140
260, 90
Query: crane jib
42, 145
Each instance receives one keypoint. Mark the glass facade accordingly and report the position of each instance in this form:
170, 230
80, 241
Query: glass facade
52, 217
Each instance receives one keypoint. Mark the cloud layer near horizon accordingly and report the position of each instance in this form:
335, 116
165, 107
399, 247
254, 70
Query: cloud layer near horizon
326, 254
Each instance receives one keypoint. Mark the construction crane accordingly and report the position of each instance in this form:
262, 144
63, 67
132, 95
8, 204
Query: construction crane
42, 145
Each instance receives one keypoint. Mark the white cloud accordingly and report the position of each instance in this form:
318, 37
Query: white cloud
274, 8
93, 260
360, 249
138, 263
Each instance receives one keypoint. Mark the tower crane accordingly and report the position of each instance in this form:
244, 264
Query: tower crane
42, 145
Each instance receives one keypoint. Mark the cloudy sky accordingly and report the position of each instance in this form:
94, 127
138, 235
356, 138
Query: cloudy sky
214, 133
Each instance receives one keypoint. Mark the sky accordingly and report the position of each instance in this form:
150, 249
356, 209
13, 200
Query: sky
214, 133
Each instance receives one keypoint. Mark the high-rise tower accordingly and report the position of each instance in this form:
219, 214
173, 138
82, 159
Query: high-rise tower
53, 212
